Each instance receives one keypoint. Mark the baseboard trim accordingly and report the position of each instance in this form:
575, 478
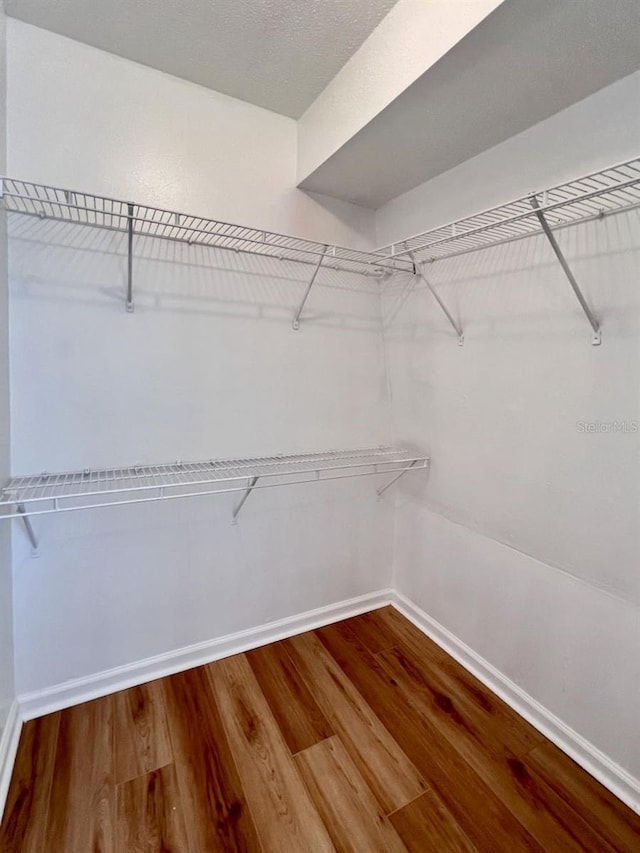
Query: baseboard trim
8, 750
70, 693
78, 690
595, 762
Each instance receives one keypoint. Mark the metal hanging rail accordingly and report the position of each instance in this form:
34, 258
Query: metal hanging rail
138, 220
610, 191
24, 497
595, 196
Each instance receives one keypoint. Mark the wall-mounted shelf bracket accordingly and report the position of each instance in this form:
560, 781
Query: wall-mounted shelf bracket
130, 222
241, 502
296, 320
29, 530
419, 272
395, 479
596, 338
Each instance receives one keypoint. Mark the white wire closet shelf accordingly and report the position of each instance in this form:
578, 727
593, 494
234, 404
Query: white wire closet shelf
141, 220
63, 492
609, 191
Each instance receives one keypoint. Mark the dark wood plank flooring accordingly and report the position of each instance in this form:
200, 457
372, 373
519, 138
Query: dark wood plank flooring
361, 736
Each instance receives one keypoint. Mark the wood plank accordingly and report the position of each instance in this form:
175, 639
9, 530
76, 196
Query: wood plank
301, 721
141, 736
481, 789
610, 817
24, 822
484, 818
150, 818
382, 763
426, 826
285, 817
454, 709
215, 809
82, 807
407, 634
373, 631
548, 818
519, 735
349, 810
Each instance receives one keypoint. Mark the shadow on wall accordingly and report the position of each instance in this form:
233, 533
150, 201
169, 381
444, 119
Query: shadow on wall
346, 219
80, 264
518, 289
533, 431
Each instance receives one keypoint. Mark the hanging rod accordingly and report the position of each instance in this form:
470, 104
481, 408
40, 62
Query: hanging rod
139, 220
40, 494
609, 191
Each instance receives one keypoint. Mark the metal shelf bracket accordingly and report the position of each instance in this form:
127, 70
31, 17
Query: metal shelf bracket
419, 272
395, 479
247, 492
29, 530
596, 338
296, 320
130, 220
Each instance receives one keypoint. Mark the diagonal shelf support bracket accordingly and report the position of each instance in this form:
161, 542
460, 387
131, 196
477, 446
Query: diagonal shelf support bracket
436, 296
29, 529
130, 220
395, 479
241, 502
296, 320
596, 338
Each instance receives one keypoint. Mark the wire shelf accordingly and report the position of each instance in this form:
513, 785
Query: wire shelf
612, 190
46, 493
83, 208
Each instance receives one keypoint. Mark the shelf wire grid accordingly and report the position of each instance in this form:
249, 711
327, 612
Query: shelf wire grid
600, 194
46, 493
81, 208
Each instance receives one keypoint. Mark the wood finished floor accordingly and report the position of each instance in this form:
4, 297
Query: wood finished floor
362, 736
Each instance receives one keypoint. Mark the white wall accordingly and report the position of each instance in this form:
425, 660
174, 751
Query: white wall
84, 119
604, 130
525, 541
7, 692
207, 366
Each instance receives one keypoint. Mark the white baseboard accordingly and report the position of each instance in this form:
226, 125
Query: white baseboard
119, 678
69, 693
595, 762
8, 750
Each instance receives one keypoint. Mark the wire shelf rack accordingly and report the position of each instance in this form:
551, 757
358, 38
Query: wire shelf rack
82, 208
597, 195
62, 492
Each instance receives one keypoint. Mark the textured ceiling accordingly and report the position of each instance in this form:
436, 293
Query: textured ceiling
526, 61
277, 54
